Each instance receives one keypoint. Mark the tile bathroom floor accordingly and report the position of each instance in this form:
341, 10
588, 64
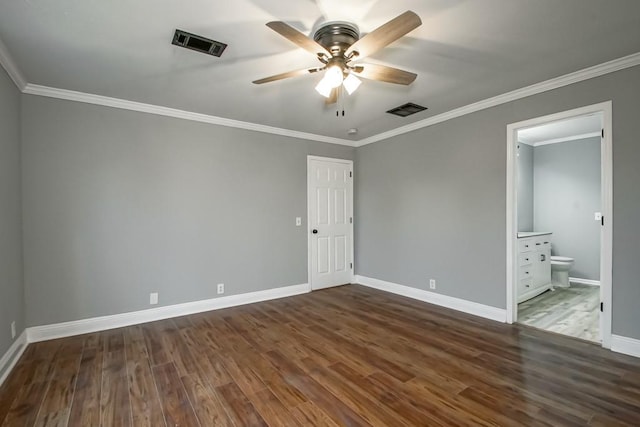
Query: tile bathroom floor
569, 311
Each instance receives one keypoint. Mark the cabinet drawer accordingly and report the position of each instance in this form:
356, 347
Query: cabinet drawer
525, 259
541, 245
525, 285
525, 245
526, 272
541, 242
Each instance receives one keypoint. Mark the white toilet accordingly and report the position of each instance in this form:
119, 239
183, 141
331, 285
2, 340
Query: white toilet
560, 266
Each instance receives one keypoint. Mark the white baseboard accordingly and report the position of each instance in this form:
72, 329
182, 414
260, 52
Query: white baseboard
588, 282
481, 310
625, 345
11, 357
95, 324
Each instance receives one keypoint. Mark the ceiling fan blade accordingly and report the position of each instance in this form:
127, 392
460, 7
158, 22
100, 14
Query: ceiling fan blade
384, 74
333, 98
385, 34
288, 32
286, 75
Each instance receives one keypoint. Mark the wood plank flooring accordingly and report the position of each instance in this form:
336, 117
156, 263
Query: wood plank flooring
572, 311
348, 356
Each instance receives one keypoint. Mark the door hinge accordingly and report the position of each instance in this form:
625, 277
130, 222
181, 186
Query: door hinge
351, 220
351, 265
602, 307
602, 220
350, 174
603, 133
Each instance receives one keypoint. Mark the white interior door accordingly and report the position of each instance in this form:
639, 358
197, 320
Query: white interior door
330, 209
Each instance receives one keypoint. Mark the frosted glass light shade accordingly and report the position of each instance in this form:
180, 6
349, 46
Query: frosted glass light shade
351, 83
333, 76
323, 88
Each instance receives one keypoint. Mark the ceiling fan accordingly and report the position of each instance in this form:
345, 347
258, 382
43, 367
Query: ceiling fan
338, 44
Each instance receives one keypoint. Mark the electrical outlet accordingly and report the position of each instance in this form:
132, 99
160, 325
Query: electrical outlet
13, 329
153, 298
432, 283
298, 221
597, 216
220, 288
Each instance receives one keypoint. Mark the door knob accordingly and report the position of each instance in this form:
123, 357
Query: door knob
314, 231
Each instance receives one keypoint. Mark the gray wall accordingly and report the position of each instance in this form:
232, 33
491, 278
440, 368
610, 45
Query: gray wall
432, 203
11, 284
525, 187
118, 204
566, 196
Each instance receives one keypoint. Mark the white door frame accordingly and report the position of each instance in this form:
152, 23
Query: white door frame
606, 232
309, 241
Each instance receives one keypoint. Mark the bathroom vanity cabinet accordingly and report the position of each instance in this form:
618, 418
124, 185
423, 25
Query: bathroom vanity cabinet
534, 264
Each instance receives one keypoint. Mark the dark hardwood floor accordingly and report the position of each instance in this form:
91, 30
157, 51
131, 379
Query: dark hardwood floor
344, 356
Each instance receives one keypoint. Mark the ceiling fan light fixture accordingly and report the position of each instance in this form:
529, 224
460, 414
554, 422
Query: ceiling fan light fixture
333, 76
351, 83
332, 79
323, 88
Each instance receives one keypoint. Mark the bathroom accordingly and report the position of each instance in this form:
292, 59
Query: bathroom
559, 226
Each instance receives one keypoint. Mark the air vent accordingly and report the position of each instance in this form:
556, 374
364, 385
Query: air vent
198, 43
406, 109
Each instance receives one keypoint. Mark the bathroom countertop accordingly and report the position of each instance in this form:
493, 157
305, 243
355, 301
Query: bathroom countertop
524, 234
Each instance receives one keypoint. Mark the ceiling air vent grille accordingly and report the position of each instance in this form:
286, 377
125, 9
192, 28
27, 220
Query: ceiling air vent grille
198, 43
407, 109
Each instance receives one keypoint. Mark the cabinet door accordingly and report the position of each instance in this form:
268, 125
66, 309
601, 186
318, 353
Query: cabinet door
545, 265
542, 268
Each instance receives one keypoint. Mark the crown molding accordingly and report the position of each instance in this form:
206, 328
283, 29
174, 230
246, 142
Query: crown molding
123, 104
568, 79
555, 83
558, 140
565, 139
7, 62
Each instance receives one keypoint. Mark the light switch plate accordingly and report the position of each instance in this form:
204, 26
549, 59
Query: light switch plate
153, 298
597, 216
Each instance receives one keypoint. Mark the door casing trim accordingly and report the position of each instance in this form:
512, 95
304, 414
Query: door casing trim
606, 233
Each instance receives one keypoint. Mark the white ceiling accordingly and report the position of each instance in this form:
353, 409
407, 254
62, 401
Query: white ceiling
464, 52
562, 130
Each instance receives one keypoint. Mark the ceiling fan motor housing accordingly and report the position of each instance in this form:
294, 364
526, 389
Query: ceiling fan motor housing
337, 37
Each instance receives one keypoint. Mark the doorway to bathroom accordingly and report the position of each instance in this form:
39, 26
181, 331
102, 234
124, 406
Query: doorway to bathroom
559, 242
